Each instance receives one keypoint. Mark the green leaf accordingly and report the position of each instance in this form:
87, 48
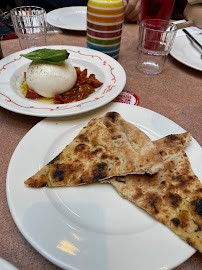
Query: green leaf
48, 55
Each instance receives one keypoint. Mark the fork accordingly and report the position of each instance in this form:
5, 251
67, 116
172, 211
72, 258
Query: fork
193, 39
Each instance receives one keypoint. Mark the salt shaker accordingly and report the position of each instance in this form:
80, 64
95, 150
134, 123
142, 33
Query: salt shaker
104, 26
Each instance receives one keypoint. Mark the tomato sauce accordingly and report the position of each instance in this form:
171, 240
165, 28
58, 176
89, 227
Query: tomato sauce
31, 94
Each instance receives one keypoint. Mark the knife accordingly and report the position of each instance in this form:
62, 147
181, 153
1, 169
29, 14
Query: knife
193, 39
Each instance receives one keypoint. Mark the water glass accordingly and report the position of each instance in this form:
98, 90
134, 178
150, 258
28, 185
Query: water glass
156, 9
155, 41
30, 26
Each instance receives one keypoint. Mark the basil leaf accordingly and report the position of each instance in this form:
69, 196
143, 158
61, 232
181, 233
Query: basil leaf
48, 55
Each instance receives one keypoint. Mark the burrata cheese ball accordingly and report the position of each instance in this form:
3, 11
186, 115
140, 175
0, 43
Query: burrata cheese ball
49, 80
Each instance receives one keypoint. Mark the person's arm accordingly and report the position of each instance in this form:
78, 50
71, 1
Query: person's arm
132, 10
194, 13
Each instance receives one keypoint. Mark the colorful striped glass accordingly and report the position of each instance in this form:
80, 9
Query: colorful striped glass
104, 26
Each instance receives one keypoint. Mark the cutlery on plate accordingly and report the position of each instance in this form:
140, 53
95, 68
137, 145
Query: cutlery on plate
193, 39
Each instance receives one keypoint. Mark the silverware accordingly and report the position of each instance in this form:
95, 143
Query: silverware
193, 39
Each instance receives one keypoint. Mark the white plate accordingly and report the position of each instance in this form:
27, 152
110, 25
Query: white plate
91, 227
71, 18
186, 52
5, 265
106, 69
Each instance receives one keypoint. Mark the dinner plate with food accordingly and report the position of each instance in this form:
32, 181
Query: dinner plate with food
114, 188
59, 81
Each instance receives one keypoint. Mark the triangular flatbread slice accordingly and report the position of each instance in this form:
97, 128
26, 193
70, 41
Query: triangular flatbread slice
174, 195
108, 146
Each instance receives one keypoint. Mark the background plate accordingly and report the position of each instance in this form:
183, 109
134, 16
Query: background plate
106, 69
186, 52
91, 227
70, 18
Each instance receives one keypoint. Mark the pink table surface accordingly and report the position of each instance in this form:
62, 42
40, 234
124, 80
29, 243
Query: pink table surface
175, 93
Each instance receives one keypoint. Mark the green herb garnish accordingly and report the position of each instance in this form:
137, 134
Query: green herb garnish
52, 56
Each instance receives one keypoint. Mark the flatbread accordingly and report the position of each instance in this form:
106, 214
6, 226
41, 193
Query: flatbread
108, 146
174, 195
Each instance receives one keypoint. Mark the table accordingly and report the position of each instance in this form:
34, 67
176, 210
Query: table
175, 93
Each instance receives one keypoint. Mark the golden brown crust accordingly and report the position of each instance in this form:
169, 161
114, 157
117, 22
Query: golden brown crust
108, 146
174, 195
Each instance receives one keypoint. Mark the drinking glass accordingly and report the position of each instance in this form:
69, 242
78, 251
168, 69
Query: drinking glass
154, 44
156, 9
104, 26
30, 25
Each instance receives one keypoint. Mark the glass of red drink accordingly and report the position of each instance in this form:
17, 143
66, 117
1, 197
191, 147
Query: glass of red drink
156, 9
155, 41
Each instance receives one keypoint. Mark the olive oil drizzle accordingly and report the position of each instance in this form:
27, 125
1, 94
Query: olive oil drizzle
23, 89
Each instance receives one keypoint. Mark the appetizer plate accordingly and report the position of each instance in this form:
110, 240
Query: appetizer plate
186, 52
106, 69
91, 227
70, 18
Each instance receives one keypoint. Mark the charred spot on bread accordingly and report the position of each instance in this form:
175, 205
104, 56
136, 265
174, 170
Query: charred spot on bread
172, 137
154, 201
37, 183
81, 181
113, 116
83, 138
116, 137
199, 227
176, 221
100, 171
163, 183
96, 151
181, 180
120, 179
197, 206
59, 174
104, 156
80, 147
175, 200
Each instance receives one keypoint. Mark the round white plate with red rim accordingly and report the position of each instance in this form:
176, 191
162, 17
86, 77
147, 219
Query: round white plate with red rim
106, 69
91, 227
70, 18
